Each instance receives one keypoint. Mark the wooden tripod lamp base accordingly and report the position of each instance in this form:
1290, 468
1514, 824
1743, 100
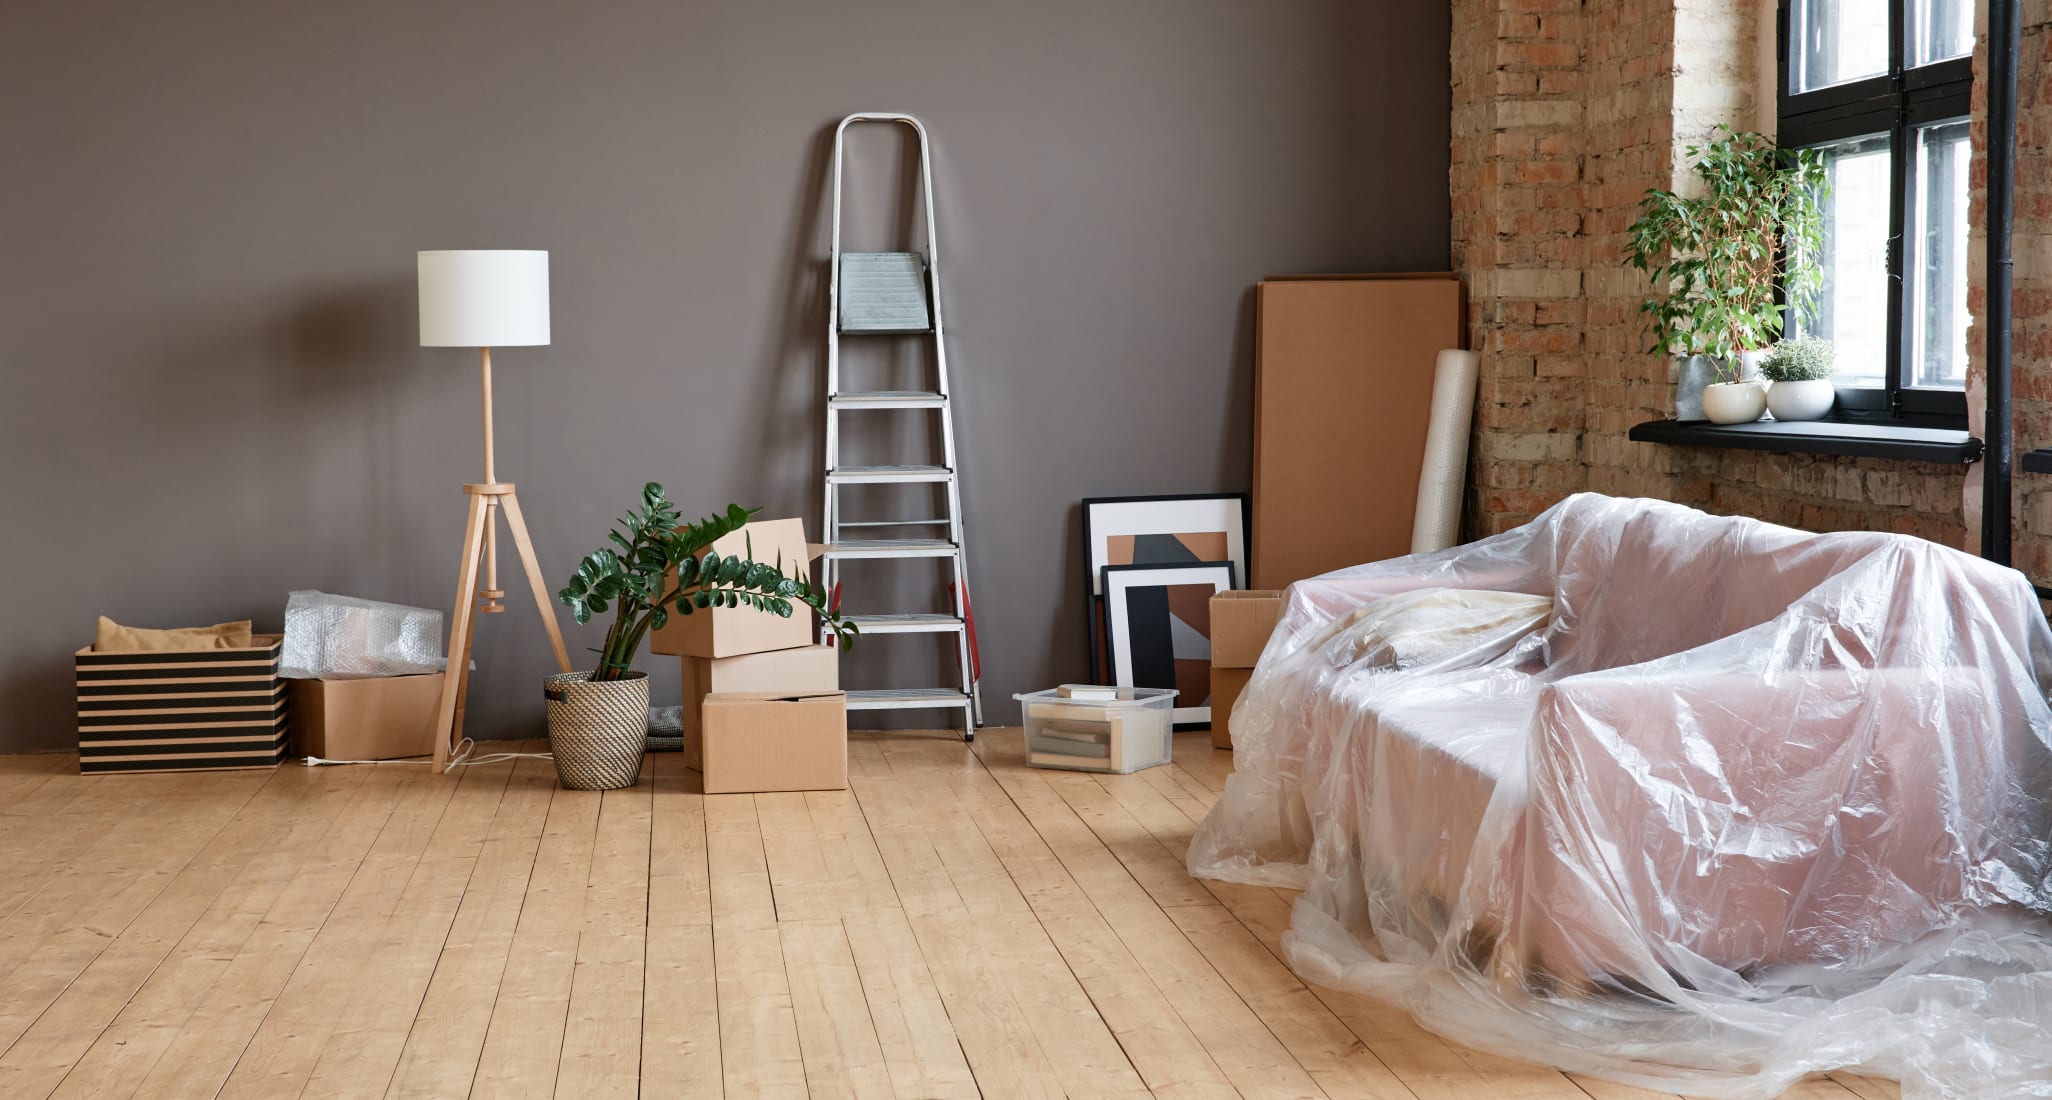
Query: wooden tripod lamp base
482, 299
475, 594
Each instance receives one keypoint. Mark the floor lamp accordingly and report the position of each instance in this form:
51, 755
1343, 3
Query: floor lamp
485, 299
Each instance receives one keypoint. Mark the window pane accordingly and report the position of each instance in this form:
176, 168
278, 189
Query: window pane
1852, 308
1835, 41
1937, 317
1940, 29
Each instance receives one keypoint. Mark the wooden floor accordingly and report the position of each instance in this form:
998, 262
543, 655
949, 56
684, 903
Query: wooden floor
955, 924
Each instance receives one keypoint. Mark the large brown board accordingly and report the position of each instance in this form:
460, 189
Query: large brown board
1342, 392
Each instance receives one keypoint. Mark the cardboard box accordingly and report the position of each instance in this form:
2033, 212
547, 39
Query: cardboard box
373, 718
1226, 686
813, 668
1344, 366
168, 711
772, 742
1241, 622
731, 631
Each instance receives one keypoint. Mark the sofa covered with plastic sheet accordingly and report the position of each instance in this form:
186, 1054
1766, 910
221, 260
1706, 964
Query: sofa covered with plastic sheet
1692, 802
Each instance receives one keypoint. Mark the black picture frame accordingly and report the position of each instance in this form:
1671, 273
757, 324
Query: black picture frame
1156, 668
1096, 625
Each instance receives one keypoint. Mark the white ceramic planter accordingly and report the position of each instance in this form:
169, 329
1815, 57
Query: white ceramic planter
1810, 399
1734, 402
1695, 372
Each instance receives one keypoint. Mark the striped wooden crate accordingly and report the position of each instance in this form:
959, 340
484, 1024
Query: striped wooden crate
185, 711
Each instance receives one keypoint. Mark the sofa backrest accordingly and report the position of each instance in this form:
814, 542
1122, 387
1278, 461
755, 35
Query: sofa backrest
1652, 579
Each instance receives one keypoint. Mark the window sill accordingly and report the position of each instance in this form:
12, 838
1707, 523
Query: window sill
1864, 439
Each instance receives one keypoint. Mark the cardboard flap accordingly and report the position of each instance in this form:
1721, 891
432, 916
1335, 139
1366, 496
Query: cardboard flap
731, 698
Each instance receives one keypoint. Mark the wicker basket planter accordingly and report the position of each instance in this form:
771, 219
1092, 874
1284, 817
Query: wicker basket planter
597, 730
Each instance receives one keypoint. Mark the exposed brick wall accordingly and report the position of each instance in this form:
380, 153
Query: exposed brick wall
2032, 301
1564, 114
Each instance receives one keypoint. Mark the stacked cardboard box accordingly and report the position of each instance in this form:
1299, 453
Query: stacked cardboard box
181, 711
367, 718
763, 709
1241, 622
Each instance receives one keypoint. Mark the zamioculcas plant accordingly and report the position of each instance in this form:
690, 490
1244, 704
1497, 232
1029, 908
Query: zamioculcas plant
1716, 260
633, 578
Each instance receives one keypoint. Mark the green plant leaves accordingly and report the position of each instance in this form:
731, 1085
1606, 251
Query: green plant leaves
656, 567
1718, 260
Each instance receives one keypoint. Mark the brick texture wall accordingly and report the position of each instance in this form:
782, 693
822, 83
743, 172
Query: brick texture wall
2032, 301
1564, 114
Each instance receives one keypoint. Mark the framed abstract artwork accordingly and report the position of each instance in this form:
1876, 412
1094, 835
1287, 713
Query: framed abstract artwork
1157, 530
1160, 630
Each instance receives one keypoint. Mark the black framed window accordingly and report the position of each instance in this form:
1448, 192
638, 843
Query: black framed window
1883, 88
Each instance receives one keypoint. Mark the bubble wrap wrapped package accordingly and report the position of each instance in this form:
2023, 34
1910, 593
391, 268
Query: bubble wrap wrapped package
341, 637
1695, 803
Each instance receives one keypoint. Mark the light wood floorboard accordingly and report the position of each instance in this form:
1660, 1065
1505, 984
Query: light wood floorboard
954, 925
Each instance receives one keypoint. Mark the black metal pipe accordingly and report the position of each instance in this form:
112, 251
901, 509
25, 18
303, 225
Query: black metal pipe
2005, 41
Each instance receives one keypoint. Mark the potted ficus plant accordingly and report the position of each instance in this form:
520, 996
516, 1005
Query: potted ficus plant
1729, 266
656, 568
1798, 373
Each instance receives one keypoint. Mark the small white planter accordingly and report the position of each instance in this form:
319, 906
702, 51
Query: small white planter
1734, 402
1810, 399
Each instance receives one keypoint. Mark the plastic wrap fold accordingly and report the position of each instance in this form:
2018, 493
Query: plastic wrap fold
1695, 803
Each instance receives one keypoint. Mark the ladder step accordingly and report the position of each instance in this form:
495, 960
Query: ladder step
907, 624
869, 475
883, 293
889, 399
890, 548
895, 523
907, 699
886, 332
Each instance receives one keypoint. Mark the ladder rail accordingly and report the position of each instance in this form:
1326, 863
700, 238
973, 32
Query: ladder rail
972, 704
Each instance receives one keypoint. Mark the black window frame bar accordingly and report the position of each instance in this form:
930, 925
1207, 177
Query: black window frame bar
1897, 104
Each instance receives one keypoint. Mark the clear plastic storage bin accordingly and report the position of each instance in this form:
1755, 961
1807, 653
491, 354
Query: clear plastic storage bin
1098, 729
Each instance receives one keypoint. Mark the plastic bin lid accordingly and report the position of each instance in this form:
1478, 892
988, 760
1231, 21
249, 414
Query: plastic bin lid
1122, 696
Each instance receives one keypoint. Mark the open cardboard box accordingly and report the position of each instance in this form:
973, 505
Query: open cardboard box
1241, 621
371, 718
731, 631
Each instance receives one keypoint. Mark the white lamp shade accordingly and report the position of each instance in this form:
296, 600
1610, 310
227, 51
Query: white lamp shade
484, 298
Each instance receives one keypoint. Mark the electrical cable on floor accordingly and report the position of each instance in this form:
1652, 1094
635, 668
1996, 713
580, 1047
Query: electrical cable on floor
461, 759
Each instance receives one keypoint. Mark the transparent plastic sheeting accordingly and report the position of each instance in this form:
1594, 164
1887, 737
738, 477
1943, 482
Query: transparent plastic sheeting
1693, 803
341, 637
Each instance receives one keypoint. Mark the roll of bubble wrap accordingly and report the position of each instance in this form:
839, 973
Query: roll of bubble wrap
1438, 519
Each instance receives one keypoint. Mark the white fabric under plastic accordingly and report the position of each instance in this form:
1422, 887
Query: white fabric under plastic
1742, 803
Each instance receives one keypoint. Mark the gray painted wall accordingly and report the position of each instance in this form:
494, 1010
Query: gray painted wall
209, 214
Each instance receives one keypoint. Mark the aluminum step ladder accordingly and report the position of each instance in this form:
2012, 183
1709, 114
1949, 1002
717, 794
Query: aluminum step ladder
897, 294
